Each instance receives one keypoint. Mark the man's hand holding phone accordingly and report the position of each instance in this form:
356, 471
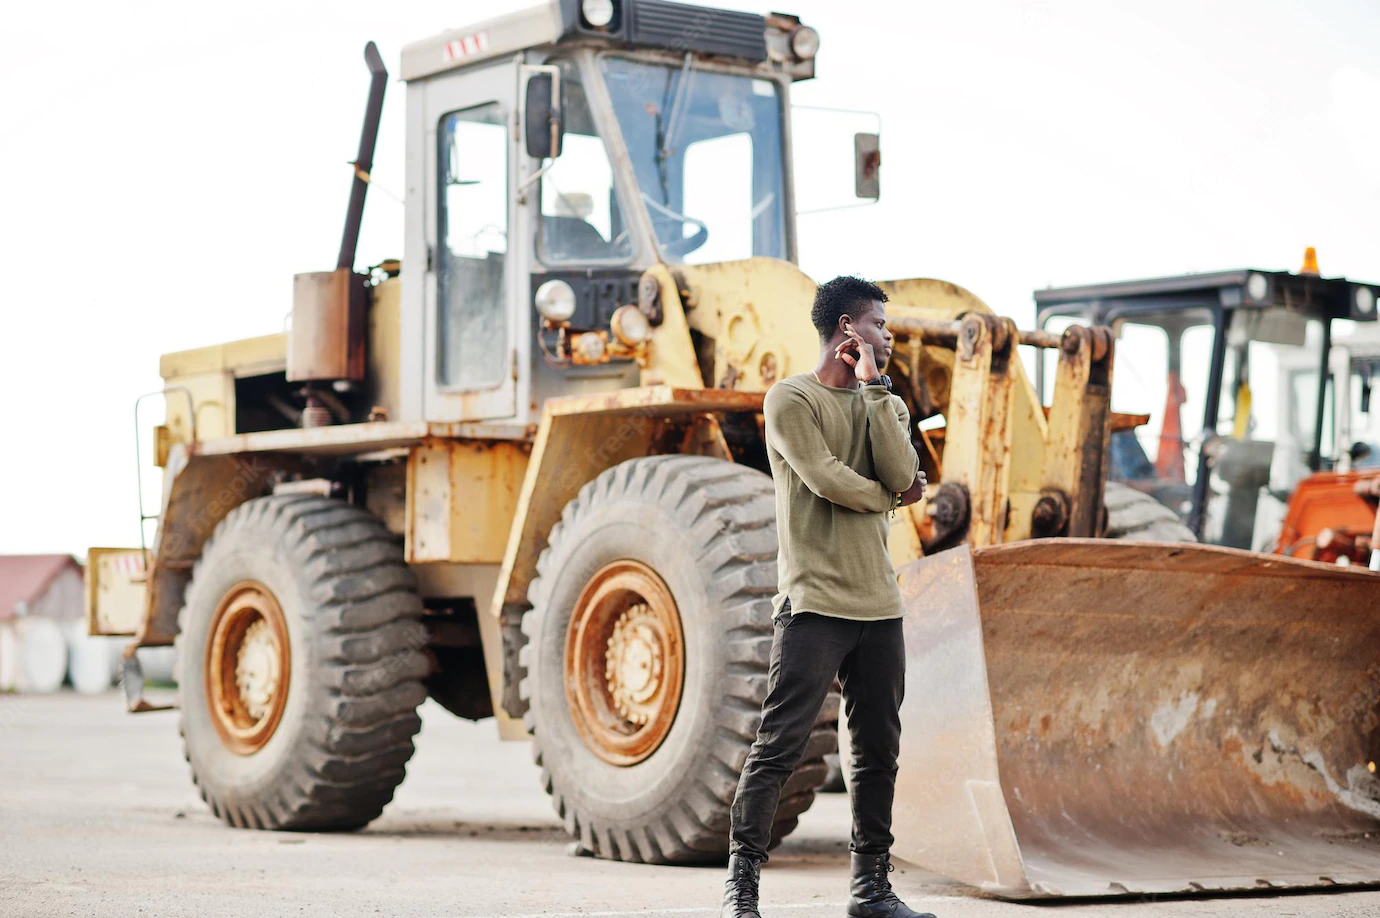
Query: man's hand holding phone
858, 354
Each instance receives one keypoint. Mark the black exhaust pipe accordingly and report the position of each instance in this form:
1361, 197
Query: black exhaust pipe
364, 162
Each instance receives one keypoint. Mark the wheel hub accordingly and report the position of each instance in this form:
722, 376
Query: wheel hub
256, 670
247, 667
624, 662
634, 664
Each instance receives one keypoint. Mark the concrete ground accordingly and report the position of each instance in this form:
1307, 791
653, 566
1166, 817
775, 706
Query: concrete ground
98, 817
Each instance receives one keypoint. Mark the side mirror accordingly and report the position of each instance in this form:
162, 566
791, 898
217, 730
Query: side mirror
867, 164
544, 114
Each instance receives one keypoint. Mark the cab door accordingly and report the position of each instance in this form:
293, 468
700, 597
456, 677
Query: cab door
471, 325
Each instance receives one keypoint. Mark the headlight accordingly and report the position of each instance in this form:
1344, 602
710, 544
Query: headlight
598, 13
555, 300
1365, 300
805, 43
588, 348
1257, 286
630, 325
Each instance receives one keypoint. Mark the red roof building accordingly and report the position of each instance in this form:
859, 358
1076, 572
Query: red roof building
28, 582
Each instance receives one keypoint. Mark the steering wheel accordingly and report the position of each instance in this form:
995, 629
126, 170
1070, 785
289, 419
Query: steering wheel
488, 228
679, 247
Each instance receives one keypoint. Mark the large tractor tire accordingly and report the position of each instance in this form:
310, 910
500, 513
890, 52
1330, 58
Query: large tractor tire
1137, 517
646, 659
300, 658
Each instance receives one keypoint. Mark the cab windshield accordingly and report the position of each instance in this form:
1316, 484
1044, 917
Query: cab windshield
1258, 440
706, 149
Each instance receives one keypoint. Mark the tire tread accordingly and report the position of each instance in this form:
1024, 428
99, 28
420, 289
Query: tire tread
731, 510
363, 612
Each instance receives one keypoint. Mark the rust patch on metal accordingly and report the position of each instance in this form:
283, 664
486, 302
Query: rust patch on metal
202, 492
1103, 718
672, 400
1119, 421
624, 662
248, 667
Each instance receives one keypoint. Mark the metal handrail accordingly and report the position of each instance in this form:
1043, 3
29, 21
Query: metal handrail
139, 459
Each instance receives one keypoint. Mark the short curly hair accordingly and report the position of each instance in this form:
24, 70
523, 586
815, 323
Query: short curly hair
839, 297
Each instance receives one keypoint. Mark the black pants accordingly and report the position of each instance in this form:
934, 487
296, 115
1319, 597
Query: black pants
807, 651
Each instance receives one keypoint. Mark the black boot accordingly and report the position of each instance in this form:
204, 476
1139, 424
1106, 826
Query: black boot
871, 895
740, 890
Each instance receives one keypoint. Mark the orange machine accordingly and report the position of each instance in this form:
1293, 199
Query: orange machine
1333, 515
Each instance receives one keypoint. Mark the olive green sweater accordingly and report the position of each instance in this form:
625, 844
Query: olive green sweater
838, 457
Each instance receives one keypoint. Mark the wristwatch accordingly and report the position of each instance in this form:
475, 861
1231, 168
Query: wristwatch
880, 381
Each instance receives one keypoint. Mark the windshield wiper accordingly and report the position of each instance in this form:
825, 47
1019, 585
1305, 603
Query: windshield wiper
687, 72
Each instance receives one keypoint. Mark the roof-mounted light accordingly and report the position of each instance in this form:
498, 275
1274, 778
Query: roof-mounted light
597, 13
804, 43
1364, 299
1257, 286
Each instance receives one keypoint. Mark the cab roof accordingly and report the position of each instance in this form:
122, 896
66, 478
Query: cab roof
1327, 297
680, 27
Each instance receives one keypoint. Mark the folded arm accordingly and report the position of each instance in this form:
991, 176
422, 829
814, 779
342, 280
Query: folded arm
793, 432
888, 432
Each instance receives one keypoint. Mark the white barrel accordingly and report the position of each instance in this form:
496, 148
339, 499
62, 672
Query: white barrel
43, 655
9, 657
89, 666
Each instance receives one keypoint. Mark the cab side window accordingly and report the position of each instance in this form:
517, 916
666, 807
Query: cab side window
473, 234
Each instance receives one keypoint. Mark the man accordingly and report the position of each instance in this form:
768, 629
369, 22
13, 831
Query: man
841, 458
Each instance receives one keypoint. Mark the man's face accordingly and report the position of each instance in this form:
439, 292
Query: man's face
870, 323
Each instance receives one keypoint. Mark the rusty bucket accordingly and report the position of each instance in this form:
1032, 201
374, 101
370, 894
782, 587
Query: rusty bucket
1087, 718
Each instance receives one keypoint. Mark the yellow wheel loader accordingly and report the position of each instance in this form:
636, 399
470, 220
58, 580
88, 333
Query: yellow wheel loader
522, 472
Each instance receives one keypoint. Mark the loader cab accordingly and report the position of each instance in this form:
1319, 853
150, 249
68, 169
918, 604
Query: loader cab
1356, 376
555, 155
1232, 371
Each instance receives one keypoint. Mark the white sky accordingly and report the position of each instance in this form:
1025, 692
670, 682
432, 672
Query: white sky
167, 168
